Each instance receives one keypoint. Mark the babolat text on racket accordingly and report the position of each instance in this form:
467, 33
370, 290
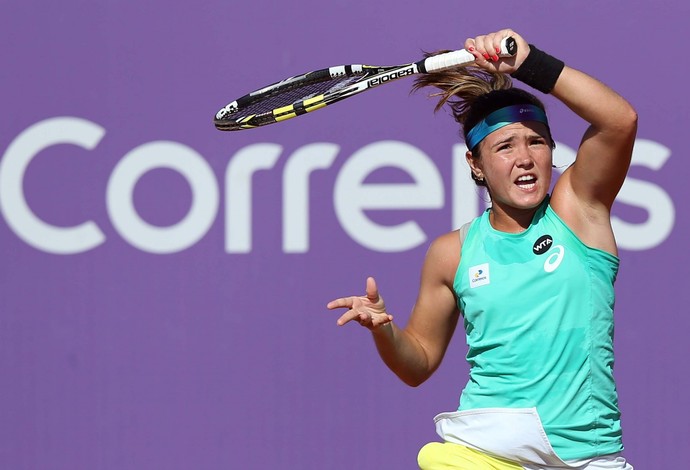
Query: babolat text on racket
305, 93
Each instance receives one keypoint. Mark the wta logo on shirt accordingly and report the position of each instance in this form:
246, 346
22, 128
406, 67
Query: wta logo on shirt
479, 275
544, 244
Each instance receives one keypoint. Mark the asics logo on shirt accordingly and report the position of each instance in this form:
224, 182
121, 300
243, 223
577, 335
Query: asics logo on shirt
554, 260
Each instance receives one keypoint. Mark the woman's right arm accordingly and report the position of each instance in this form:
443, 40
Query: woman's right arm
414, 352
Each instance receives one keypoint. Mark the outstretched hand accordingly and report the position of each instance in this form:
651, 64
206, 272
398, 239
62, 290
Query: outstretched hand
368, 310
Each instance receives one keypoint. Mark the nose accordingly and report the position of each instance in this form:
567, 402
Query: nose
524, 158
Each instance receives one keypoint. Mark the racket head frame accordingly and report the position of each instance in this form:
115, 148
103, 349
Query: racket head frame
348, 81
254, 109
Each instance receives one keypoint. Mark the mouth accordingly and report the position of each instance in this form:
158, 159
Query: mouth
526, 182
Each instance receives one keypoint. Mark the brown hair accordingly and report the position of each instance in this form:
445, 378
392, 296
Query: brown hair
473, 93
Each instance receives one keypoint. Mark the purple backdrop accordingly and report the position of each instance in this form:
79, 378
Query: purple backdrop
164, 285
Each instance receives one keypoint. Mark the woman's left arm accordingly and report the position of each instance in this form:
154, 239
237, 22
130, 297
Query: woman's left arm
604, 154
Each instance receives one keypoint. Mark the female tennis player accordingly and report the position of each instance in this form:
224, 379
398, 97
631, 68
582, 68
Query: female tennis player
532, 277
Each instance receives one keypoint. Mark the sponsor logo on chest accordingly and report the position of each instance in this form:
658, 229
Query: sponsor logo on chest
479, 275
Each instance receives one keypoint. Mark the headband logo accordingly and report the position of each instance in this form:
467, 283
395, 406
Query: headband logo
503, 117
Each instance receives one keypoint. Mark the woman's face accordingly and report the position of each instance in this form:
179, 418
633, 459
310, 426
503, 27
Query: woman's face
516, 162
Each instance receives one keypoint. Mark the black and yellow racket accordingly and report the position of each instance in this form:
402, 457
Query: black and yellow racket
305, 93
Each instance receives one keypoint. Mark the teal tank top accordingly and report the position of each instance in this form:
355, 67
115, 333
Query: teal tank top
538, 316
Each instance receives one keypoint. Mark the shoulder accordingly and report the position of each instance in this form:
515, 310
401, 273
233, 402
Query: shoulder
443, 256
448, 241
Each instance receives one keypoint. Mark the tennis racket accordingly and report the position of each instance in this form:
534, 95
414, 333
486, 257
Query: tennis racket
305, 93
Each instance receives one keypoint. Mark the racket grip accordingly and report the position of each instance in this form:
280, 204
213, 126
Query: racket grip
451, 59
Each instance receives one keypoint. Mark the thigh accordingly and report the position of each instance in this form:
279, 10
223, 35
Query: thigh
450, 456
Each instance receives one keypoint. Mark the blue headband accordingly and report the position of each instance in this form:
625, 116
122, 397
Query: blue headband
501, 118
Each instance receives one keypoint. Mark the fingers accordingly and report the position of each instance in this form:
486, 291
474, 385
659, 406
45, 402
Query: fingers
482, 48
372, 290
348, 317
382, 320
487, 48
372, 294
345, 302
369, 310
365, 319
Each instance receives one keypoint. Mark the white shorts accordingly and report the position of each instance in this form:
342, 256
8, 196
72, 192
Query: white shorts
515, 434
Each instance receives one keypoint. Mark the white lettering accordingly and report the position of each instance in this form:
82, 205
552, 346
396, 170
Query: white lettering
18, 214
296, 192
353, 197
120, 202
652, 198
238, 198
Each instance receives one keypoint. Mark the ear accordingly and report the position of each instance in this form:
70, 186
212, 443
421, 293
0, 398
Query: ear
475, 165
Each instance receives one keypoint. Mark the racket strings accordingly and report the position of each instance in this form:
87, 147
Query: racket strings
298, 92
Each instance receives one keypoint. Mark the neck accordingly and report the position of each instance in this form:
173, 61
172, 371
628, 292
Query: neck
511, 219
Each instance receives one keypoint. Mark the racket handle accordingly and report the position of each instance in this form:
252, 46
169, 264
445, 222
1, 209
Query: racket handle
451, 59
